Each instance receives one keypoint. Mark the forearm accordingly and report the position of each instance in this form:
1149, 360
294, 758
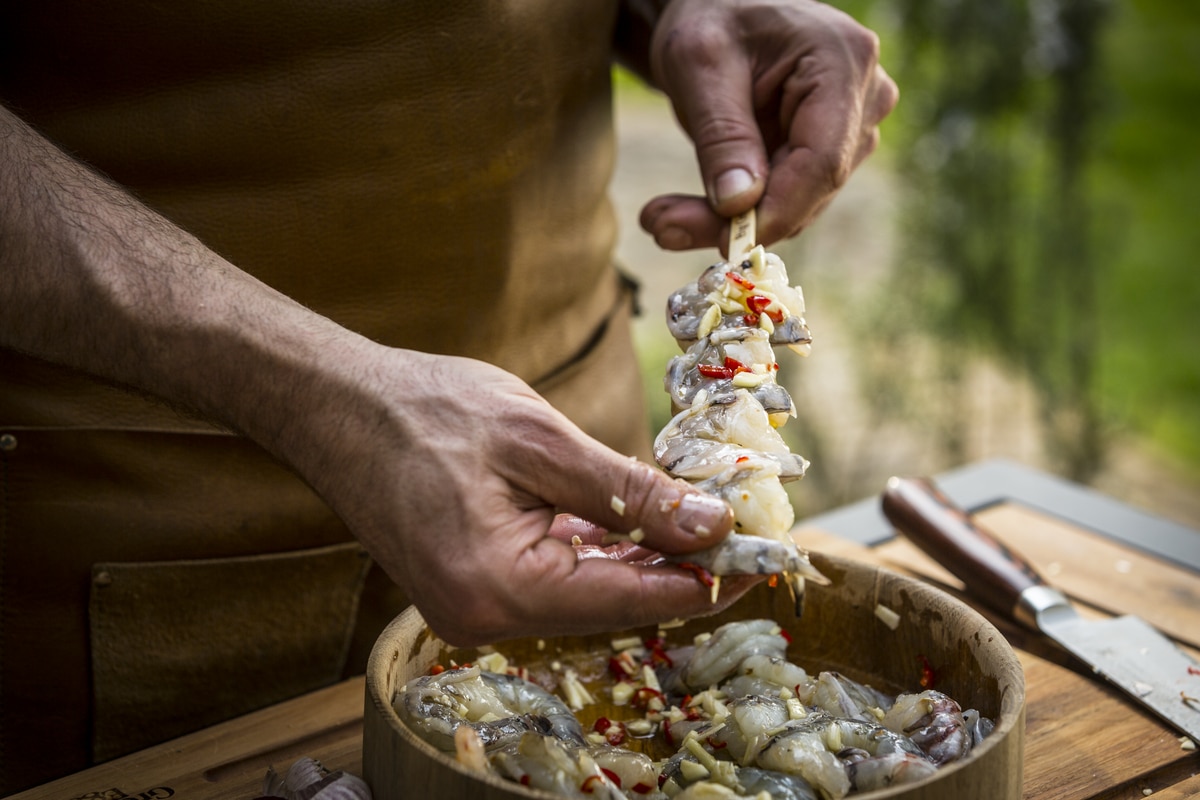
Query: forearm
91, 279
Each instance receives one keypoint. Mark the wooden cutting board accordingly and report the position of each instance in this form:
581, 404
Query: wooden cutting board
1084, 741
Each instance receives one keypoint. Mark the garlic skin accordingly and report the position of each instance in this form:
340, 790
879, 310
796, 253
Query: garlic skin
308, 780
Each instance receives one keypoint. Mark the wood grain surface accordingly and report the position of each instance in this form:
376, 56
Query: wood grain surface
1084, 741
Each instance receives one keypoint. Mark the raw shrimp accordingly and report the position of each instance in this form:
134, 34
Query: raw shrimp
869, 772
770, 676
934, 722
723, 362
750, 721
501, 708
778, 785
634, 772
842, 697
543, 762
708, 437
760, 503
738, 291
719, 656
737, 554
799, 748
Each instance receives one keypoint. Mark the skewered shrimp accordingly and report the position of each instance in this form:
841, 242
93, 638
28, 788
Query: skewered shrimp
500, 708
934, 722
715, 367
738, 554
728, 404
738, 292
705, 438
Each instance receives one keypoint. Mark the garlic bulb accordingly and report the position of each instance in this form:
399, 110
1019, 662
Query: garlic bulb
308, 780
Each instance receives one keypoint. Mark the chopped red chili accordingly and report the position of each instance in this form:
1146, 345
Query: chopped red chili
612, 776
1193, 671
641, 788
787, 637
733, 277
702, 575
750, 320
928, 676
436, 669
642, 697
773, 581
757, 303
713, 371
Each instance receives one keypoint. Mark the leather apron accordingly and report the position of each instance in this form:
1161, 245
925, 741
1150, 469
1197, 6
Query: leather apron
431, 175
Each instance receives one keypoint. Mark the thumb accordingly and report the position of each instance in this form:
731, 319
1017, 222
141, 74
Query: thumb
625, 495
707, 74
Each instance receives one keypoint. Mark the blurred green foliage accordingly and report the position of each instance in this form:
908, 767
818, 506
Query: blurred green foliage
1051, 180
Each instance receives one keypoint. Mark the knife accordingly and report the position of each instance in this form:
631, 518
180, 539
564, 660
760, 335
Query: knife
1128, 652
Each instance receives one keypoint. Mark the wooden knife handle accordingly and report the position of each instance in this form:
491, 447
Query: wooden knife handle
991, 572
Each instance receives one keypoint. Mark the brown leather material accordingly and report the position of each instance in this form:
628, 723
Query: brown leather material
183, 644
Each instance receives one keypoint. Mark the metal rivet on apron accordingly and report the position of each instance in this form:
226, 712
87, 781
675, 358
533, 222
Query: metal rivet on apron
102, 579
8, 442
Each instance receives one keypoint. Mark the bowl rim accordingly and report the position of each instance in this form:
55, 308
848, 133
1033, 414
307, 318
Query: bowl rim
1011, 703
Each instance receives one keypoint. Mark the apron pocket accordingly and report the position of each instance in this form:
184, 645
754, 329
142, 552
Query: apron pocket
180, 645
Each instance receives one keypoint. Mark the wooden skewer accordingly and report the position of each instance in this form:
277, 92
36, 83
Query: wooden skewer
741, 237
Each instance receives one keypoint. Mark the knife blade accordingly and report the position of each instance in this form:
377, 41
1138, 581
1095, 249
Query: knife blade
1125, 650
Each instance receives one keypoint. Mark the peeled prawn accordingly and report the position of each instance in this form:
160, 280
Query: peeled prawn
500, 708
738, 554
934, 722
723, 437
719, 656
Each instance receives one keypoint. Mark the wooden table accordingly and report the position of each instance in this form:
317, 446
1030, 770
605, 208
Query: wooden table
1083, 739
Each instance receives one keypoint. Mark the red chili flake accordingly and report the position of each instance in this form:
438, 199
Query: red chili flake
662, 778
602, 724
773, 581
928, 676
666, 729
588, 784
692, 715
642, 697
787, 637
1193, 671
733, 277
642, 788
658, 656
741, 459
713, 371
621, 666
702, 575
715, 745
757, 303
735, 365
750, 320
612, 776
436, 669
776, 315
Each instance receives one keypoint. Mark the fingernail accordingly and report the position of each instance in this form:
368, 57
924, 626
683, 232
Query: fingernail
701, 514
730, 184
674, 239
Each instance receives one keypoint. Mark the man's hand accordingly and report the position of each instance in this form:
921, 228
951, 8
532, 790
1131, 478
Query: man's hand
782, 99
452, 473
449, 471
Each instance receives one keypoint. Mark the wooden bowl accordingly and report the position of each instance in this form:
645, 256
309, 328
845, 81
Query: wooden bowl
839, 630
